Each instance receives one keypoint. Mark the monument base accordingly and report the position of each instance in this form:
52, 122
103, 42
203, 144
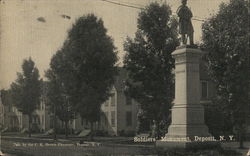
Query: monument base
187, 145
187, 129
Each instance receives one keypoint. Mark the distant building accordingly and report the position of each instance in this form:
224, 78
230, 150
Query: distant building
11, 118
207, 87
14, 120
119, 112
1, 113
40, 118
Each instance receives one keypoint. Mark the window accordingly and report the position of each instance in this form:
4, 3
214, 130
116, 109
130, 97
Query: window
128, 118
128, 100
42, 105
106, 103
51, 122
38, 120
113, 99
106, 117
20, 119
82, 121
113, 118
204, 90
42, 119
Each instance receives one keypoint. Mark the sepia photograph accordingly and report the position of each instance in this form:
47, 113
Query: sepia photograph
124, 78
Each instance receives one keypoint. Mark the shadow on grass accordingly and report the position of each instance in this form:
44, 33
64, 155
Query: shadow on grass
15, 152
197, 152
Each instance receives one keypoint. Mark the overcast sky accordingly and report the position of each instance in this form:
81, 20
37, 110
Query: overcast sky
38, 28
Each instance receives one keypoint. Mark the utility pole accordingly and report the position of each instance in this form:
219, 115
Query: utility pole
55, 137
1, 153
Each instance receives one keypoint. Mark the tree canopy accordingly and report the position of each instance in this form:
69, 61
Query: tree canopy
86, 66
149, 62
92, 58
6, 97
226, 39
26, 90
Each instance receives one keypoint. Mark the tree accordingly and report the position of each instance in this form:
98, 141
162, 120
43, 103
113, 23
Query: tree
26, 90
86, 65
53, 97
226, 38
149, 62
6, 97
58, 97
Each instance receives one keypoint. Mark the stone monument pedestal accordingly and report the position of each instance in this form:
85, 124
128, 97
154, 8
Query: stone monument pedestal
187, 129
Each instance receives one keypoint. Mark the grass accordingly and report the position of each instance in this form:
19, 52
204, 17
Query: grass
208, 152
114, 146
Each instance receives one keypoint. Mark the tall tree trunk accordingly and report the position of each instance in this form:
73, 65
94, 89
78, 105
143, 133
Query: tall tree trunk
157, 130
30, 119
91, 131
66, 129
241, 137
54, 125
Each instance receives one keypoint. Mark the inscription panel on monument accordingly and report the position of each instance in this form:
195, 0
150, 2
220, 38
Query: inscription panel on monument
180, 84
193, 84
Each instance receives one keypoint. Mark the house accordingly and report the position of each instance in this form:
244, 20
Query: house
119, 112
11, 118
207, 87
14, 120
1, 113
42, 116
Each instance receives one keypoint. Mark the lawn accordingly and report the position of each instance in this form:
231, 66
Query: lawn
37, 146
109, 146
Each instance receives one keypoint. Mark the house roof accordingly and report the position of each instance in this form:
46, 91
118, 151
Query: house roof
120, 79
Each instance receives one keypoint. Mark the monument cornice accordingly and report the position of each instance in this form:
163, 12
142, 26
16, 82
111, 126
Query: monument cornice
187, 55
187, 50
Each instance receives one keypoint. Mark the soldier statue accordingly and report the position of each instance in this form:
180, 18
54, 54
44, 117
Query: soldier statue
185, 25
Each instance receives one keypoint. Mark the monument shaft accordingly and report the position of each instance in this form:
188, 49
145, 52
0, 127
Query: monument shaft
187, 112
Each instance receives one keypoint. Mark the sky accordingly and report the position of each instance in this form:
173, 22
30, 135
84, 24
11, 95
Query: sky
38, 28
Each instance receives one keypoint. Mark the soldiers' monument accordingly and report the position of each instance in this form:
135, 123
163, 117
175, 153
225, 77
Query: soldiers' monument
187, 128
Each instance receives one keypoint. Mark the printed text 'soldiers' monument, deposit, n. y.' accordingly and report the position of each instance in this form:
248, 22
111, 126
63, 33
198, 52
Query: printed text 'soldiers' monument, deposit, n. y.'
187, 112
